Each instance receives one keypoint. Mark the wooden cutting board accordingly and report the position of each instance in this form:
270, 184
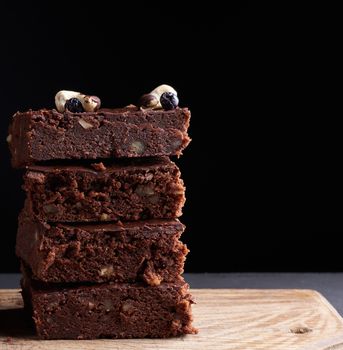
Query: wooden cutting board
227, 319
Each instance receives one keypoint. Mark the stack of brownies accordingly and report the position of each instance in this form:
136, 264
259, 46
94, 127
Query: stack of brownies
98, 237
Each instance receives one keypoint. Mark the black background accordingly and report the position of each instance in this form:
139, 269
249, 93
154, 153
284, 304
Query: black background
262, 172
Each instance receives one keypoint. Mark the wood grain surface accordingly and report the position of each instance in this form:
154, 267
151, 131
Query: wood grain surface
227, 319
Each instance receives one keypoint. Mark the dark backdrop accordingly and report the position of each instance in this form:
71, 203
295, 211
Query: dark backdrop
262, 178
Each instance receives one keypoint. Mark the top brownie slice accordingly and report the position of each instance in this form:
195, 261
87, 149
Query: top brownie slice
43, 135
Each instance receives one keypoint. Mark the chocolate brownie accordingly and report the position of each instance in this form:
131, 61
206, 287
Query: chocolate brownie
42, 135
126, 190
109, 310
148, 251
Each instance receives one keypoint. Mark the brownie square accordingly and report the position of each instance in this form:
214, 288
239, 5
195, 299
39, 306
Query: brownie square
125, 190
148, 251
109, 310
42, 135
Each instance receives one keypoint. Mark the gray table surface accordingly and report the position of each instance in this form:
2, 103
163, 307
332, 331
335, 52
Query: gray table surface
329, 284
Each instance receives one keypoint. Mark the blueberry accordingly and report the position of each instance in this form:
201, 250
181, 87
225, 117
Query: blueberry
74, 105
169, 101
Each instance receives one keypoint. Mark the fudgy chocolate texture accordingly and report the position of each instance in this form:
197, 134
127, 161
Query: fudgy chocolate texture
127, 190
148, 251
110, 310
127, 132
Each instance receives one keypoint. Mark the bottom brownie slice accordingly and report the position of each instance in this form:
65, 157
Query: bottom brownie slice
109, 310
